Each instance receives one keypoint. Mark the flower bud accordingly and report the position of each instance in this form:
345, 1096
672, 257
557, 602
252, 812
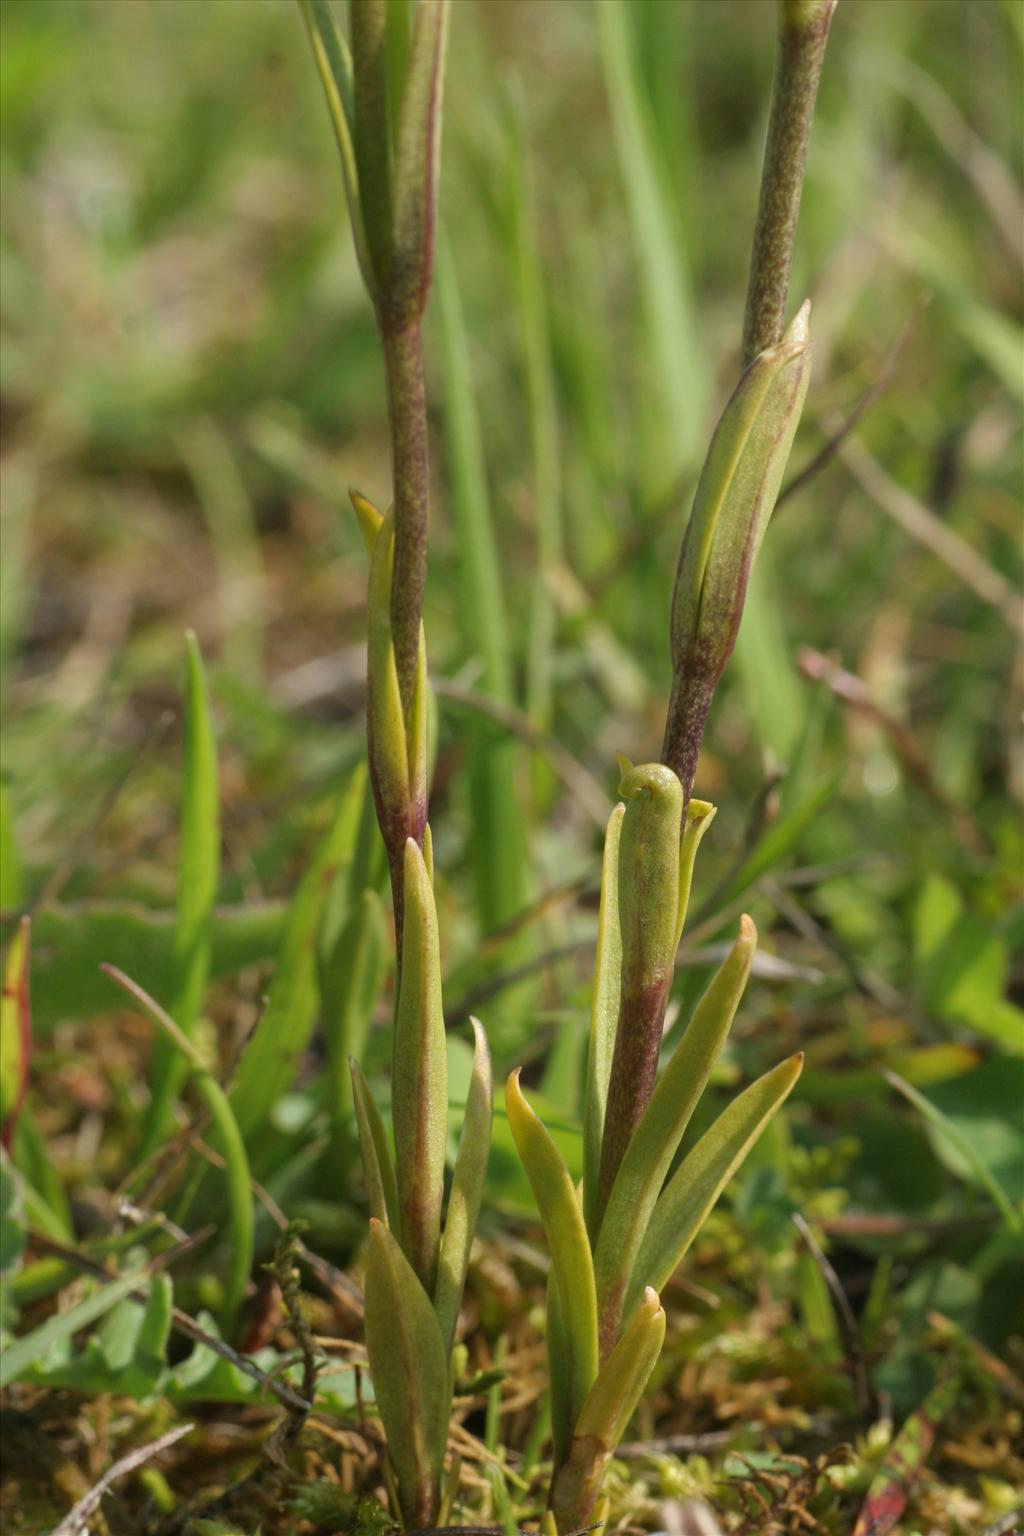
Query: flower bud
735, 496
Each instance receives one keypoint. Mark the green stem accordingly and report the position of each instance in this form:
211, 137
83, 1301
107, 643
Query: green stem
803, 34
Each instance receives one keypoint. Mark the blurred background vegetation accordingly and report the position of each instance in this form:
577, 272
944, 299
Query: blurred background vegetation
189, 384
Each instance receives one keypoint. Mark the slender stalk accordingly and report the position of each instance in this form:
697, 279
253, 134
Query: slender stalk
803, 34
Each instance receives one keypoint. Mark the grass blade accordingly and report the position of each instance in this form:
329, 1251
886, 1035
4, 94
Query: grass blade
378, 1165
269, 1063
20, 1356
604, 1017
198, 873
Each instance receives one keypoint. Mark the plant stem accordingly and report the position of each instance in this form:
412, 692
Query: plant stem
407, 414
803, 34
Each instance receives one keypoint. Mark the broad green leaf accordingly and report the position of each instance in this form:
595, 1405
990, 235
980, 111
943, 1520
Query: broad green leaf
19, 1356
659, 1133
957, 1137
467, 1189
607, 1411
411, 1375
604, 1015
69, 941
198, 874
567, 1239
378, 1168
419, 1076
694, 1188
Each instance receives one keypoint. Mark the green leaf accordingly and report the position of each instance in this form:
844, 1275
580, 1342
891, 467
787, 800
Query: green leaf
411, 1375
678, 381
419, 1076
417, 163
656, 1139
19, 1356
607, 1411
951, 1135
15, 1030
498, 846
694, 1188
351, 976
378, 1169
567, 1240
334, 64
604, 1016
198, 874
69, 940
371, 133
12, 1224
467, 1189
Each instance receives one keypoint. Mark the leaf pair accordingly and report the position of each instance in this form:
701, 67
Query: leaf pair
384, 98
415, 1271
397, 739
610, 1257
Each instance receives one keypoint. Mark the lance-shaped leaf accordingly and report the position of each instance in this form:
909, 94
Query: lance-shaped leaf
397, 745
604, 1016
417, 156
371, 135
606, 1413
15, 1032
699, 816
467, 1190
334, 66
411, 1378
734, 499
559, 1374
419, 1076
650, 1153
693, 1189
648, 887
567, 1239
378, 1169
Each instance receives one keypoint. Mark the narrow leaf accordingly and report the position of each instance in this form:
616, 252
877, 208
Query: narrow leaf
15, 1031
693, 1190
657, 1137
419, 1076
604, 1016
607, 1411
269, 1063
467, 1189
198, 873
567, 1239
417, 157
378, 1168
411, 1375
699, 816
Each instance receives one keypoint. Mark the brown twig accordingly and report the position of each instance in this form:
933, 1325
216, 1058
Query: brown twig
75, 1520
